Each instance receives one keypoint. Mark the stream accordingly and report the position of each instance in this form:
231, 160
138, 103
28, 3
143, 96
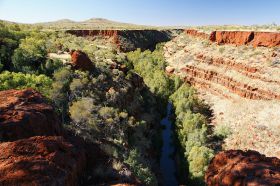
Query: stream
167, 164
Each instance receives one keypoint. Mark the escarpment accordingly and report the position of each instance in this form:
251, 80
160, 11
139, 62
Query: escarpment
199, 77
129, 40
196, 33
238, 38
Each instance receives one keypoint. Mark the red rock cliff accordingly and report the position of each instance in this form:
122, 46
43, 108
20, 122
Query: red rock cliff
236, 167
196, 33
256, 39
265, 39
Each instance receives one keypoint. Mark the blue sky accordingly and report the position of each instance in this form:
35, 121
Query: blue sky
146, 12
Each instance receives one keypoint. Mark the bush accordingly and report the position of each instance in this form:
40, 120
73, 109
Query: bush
13, 80
142, 171
151, 66
81, 110
222, 131
199, 159
60, 89
10, 39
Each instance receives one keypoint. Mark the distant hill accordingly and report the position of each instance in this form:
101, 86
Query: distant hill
91, 24
94, 23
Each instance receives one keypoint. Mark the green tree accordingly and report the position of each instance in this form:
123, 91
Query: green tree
60, 90
31, 55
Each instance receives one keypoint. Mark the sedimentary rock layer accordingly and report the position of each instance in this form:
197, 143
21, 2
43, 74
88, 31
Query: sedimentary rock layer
256, 39
196, 33
246, 70
265, 39
194, 74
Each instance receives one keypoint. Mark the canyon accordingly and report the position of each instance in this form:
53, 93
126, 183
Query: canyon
236, 73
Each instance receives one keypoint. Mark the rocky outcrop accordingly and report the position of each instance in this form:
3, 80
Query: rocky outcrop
197, 76
236, 167
85, 33
129, 40
41, 160
226, 62
25, 113
37, 153
80, 61
196, 33
238, 38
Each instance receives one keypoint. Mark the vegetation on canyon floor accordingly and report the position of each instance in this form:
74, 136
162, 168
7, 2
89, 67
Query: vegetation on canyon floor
191, 114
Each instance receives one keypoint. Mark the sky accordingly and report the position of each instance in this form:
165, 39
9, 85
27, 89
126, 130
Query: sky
145, 12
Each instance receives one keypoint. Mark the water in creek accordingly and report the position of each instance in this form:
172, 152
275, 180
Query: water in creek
167, 164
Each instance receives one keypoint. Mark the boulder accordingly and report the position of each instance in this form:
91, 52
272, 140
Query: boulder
25, 113
236, 167
41, 160
80, 61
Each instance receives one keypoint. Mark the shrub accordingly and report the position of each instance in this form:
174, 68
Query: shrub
222, 131
60, 89
13, 80
81, 111
142, 171
10, 39
151, 66
199, 159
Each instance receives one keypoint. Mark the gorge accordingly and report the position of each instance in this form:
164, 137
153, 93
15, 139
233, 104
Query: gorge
138, 106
